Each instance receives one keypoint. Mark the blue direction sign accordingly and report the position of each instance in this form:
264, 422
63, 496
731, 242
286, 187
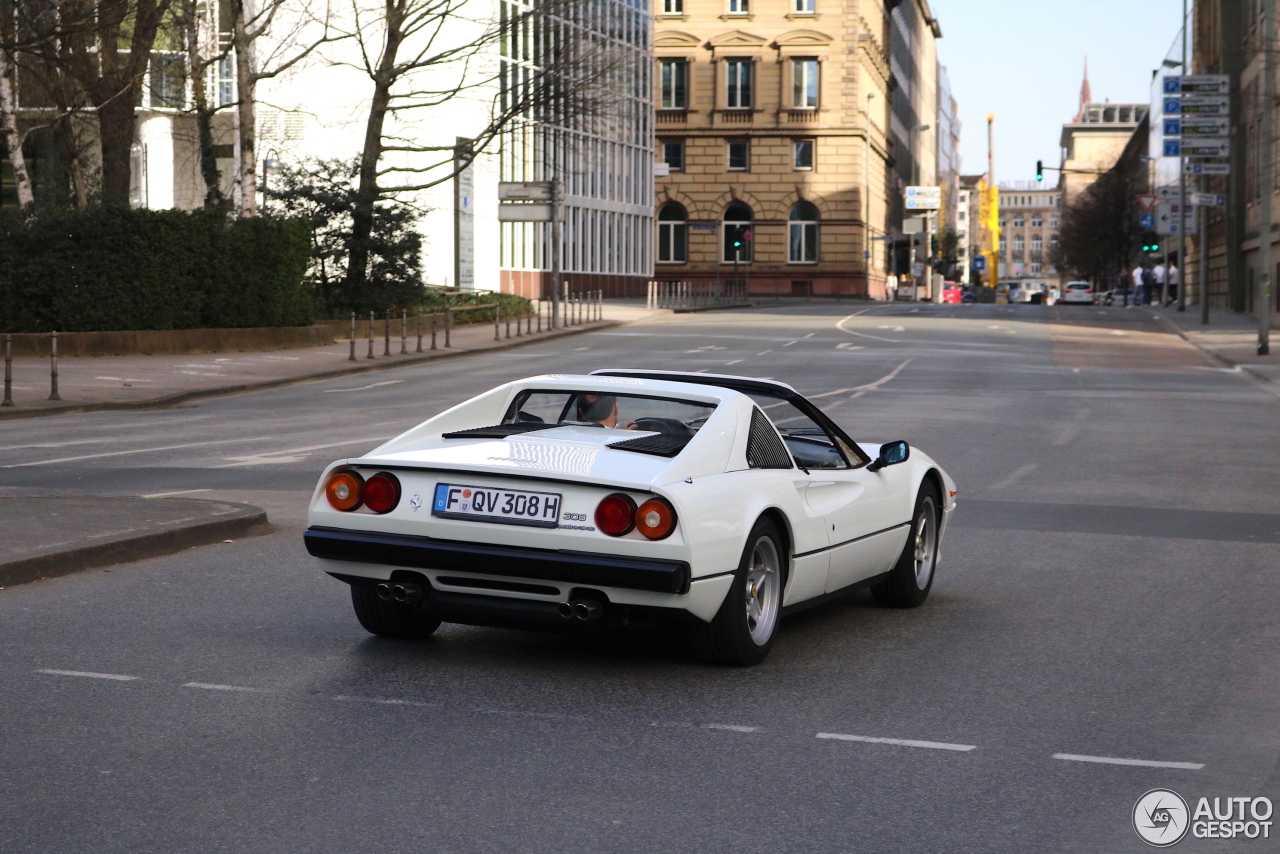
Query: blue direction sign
1172, 106
1147, 221
1173, 127
1173, 85
980, 263
1172, 148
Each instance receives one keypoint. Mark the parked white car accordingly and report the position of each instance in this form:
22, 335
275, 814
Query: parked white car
1077, 292
624, 497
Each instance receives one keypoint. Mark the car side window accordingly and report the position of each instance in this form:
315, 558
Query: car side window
809, 443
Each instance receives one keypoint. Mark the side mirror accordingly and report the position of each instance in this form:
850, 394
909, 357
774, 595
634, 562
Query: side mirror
891, 453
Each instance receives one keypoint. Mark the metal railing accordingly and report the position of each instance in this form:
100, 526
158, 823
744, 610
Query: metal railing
683, 295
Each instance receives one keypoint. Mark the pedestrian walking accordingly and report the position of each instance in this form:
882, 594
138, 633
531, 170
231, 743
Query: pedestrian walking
1158, 273
1173, 278
891, 287
1136, 276
1148, 285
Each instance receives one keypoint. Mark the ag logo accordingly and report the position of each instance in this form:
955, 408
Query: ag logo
1160, 818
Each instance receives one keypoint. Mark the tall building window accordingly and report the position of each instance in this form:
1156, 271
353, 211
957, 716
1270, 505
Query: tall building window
673, 234
673, 154
739, 7
804, 7
1037, 244
1019, 244
737, 233
1053, 241
739, 155
226, 81
1053, 221
804, 83
675, 84
802, 154
738, 79
1018, 221
673, 7
1035, 268
802, 230
1036, 220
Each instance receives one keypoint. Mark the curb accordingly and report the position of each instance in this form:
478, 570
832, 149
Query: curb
1170, 326
170, 400
129, 549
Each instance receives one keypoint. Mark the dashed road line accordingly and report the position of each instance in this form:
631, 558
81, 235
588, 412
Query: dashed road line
209, 686
734, 362
115, 677
901, 742
732, 727
1144, 763
178, 492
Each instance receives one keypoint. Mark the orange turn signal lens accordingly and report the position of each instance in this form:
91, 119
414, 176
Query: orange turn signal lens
655, 519
344, 490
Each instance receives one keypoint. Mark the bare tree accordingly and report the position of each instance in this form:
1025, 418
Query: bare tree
13, 139
533, 67
1100, 230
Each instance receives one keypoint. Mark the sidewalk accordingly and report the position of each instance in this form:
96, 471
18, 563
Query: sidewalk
139, 382
1230, 338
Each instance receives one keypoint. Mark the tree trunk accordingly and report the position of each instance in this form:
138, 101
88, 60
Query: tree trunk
246, 126
199, 70
116, 118
13, 140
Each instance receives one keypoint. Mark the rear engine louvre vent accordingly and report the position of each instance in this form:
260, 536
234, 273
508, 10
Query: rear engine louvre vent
659, 444
764, 449
497, 431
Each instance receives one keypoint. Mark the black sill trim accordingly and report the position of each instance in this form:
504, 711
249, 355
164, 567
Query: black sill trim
661, 576
854, 540
364, 463
789, 610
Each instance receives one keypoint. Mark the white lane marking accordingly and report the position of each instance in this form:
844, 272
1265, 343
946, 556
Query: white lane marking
292, 455
848, 346
209, 686
1144, 763
115, 677
179, 492
863, 388
811, 334
901, 742
765, 353
894, 328
53, 444
734, 362
363, 387
136, 451
840, 325
1016, 475
379, 700
788, 344
732, 727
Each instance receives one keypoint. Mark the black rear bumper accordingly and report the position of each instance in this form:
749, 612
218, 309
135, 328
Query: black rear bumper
660, 576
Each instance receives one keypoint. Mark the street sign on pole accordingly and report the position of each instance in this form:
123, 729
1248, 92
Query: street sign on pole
1208, 200
1197, 84
980, 263
1168, 216
1197, 147
1147, 202
1196, 126
524, 191
1199, 105
1208, 168
1147, 220
923, 198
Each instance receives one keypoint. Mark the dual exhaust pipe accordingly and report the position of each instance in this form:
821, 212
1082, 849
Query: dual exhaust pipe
586, 610
405, 594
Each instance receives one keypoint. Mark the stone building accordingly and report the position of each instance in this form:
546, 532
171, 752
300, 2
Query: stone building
776, 120
1029, 215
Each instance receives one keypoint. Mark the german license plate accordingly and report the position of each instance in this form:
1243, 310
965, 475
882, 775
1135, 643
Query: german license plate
503, 506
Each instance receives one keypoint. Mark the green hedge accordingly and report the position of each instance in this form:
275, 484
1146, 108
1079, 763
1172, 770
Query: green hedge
92, 269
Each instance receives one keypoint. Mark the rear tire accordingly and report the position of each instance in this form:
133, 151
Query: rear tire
911, 578
744, 629
390, 619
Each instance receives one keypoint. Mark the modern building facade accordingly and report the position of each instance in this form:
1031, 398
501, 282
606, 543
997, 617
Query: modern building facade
774, 125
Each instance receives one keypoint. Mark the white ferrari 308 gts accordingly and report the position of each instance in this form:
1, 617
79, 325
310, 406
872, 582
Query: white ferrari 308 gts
624, 497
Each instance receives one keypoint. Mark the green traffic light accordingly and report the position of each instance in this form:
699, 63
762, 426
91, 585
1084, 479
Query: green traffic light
1039, 170
1155, 247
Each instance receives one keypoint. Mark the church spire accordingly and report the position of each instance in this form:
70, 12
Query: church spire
1086, 94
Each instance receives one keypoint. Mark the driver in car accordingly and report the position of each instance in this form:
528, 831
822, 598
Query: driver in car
600, 410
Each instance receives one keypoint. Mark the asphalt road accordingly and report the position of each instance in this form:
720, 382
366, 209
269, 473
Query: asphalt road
1108, 590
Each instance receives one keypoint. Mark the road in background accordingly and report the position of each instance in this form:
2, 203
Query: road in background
1106, 591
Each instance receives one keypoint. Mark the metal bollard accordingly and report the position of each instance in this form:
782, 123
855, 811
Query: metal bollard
433, 330
419, 329
352, 358
370, 356
386, 331
507, 314
404, 324
8, 371
539, 315
497, 316
53, 368
448, 322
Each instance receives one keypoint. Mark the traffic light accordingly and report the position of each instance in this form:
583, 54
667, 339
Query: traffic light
1154, 247
1039, 170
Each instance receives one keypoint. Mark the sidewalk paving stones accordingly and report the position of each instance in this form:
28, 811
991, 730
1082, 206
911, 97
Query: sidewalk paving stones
1229, 338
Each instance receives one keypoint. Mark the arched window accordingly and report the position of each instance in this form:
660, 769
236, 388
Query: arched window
802, 229
673, 234
1036, 221
1017, 221
737, 233
1019, 243
1037, 243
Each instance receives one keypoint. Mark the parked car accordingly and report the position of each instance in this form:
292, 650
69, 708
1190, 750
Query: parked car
1080, 293
628, 496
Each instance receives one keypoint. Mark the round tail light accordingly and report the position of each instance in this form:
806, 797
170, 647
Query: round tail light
655, 519
382, 492
616, 515
344, 490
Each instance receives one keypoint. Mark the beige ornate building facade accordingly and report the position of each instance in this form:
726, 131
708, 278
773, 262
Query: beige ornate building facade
775, 123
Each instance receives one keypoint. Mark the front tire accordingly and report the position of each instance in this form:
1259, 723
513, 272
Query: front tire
744, 629
390, 619
911, 578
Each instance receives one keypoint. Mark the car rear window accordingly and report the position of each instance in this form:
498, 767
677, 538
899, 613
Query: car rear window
1077, 286
601, 409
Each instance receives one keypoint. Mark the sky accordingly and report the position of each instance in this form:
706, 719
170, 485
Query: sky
1024, 61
